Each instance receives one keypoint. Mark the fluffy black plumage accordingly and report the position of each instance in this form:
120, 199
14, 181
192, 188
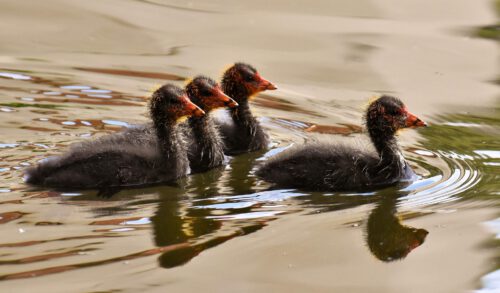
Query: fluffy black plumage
204, 144
141, 156
243, 133
341, 167
206, 148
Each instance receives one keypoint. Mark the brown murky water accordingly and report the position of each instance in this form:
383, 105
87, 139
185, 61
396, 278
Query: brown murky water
74, 70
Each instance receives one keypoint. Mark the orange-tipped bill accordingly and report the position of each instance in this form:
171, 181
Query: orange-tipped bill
190, 109
264, 84
414, 121
220, 99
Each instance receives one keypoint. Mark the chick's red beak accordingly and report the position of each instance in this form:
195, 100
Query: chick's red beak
190, 108
413, 121
225, 99
264, 84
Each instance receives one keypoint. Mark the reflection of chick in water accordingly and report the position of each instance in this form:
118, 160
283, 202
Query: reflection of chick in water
387, 238
173, 224
177, 221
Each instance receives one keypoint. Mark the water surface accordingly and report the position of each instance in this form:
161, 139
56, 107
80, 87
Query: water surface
85, 69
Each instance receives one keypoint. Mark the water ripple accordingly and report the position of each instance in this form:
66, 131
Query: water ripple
462, 176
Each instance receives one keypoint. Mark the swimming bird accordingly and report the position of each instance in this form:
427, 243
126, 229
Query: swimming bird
203, 142
344, 167
244, 133
123, 159
205, 145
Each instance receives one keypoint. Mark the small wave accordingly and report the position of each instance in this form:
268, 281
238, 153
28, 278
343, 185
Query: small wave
462, 176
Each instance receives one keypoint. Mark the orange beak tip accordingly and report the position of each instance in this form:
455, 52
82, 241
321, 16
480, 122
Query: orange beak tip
194, 110
271, 87
265, 84
199, 112
420, 123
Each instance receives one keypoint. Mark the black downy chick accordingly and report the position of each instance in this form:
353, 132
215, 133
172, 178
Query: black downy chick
122, 159
244, 133
341, 167
205, 145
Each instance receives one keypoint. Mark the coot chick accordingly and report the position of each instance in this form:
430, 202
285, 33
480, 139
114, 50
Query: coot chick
243, 133
125, 160
205, 145
342, 167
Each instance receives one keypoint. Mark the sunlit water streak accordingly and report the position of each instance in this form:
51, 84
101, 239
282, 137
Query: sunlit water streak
14, 76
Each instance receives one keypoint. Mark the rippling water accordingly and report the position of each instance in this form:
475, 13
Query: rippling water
227, 221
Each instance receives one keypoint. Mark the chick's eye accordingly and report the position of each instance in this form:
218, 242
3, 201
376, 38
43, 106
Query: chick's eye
393, 112
205, 92
248, 77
